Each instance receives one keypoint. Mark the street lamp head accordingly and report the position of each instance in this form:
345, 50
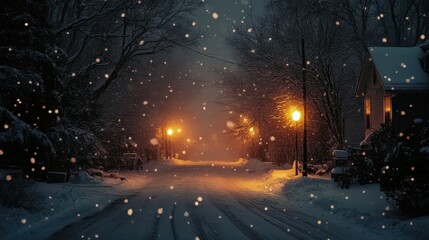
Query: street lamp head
296, 115
170, 131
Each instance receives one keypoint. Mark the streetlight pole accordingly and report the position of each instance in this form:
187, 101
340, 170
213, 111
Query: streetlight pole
304, 94
252, 132
296, 148
168, 147
296, 116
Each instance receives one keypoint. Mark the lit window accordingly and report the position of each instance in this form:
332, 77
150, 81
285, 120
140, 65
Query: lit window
387, 110
368, 113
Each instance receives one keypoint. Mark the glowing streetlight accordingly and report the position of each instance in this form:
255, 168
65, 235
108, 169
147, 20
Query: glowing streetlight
252, 131
170, 132
168, 143
296, 115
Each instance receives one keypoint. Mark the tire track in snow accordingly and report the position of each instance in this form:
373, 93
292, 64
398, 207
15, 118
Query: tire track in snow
282, 225
88, 221
199, 224
173, 225
154, 232
282, 219
244, 228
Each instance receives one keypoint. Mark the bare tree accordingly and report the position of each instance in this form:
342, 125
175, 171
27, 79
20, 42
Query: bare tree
271, 51
103, 38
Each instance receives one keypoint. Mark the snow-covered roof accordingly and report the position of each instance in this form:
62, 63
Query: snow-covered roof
400, 68
425, 45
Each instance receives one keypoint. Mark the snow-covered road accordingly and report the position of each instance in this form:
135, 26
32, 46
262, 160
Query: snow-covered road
205, 201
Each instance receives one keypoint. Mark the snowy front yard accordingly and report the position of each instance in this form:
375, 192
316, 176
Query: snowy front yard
209, 200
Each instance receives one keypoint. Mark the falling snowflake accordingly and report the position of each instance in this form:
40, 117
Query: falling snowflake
160, 211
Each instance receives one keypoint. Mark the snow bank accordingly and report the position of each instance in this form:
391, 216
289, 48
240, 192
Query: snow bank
363, 204
257, 166
83, 178
62, 204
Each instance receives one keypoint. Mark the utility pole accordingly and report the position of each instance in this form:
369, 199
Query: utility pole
304, 96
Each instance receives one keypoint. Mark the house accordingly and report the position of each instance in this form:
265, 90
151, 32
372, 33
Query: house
394, 84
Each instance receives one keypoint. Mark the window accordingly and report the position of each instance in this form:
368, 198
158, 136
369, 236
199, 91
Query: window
368, 113
387, 110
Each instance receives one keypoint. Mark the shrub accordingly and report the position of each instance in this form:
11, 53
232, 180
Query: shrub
405, 178
377, 147
18, 193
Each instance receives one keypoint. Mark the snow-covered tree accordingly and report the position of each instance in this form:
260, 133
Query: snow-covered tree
29, 59
32, 91
24, 146
30, 84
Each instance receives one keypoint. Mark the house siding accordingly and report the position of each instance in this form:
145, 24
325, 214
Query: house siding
376, 94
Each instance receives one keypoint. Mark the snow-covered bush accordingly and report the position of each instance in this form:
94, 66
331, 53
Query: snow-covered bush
21, 144
377, 146
74, 145
405, 178
18, 193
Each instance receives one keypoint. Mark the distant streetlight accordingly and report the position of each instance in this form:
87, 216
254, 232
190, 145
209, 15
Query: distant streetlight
296, 115
168, 145
170, 132
252, 132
